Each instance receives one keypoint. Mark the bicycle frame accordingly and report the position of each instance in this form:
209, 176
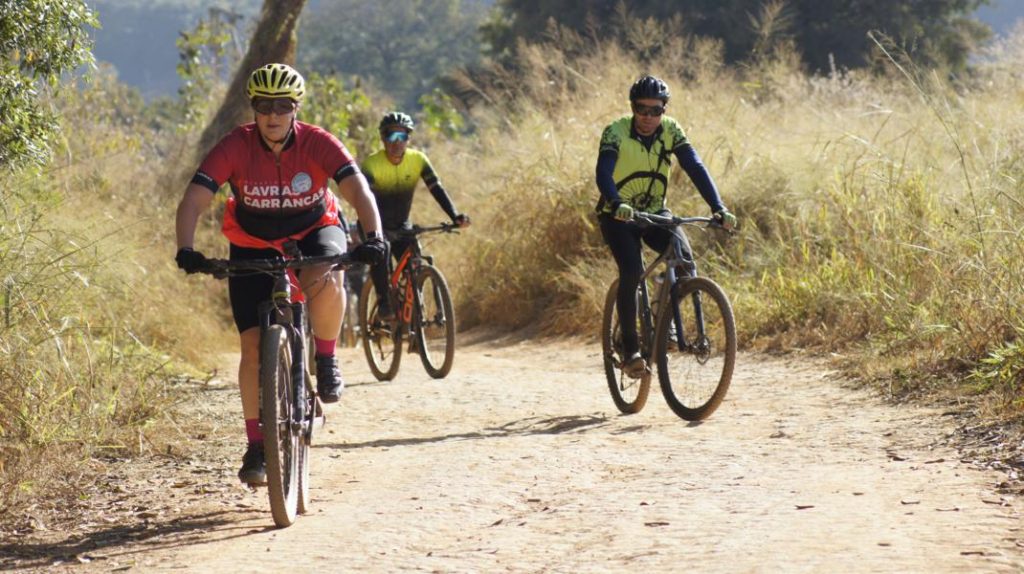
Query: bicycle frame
407, 264
287, 307
283, 309
674, 260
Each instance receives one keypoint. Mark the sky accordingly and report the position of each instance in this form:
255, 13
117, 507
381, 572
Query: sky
1002, 15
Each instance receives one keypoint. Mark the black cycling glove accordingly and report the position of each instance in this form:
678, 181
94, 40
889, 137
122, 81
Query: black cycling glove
372, 251
190, 260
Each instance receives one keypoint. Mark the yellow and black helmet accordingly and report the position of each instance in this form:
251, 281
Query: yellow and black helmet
276, 81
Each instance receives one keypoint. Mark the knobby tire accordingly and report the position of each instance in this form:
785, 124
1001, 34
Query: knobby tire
629, 395
281, 445
435, 322
694, 381
382, 347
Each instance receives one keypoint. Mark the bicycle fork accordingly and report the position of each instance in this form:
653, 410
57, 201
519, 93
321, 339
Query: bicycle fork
292, 317
300, 374
688, 267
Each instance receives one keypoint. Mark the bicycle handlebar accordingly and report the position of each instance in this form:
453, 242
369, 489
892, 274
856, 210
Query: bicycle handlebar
674, 220
221, 268
420, 230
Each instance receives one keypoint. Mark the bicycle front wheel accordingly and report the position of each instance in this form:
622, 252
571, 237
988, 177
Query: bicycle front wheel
695, 348
629, 395
382, 342
281, 441
435, 322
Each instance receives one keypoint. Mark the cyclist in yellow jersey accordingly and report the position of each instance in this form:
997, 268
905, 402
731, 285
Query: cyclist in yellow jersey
632, 174
393, 174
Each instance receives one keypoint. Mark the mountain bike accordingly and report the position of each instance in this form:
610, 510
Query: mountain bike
290, 410
687, 330
423, 312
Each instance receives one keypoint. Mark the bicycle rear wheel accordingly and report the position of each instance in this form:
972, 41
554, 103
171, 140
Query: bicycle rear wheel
695, 363
435, 322
281, 442
350, 320
629, 395
382, 343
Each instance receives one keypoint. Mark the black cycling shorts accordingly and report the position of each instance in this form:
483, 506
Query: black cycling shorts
248, 291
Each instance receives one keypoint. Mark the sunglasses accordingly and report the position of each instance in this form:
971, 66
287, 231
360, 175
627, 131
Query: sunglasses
397, 136
649, 111
279, 106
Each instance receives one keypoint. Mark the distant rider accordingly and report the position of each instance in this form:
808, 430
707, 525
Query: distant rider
393, 174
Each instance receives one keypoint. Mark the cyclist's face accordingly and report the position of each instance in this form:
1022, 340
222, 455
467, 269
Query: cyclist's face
647, 115
273, 117
395, 142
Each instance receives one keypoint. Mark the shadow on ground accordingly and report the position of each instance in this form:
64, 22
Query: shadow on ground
122, 542
523, 427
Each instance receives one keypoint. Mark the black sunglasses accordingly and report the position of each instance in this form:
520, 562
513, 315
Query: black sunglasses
279, 106
649, 111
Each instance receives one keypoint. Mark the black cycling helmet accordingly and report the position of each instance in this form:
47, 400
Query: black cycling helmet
649, 87
396, 120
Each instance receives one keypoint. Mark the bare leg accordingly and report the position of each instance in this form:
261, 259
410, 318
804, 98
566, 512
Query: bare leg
326, 296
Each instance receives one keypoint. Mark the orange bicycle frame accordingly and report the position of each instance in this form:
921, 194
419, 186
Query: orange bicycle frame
407, 303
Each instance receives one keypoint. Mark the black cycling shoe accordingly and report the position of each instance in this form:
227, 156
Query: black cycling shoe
635, 366
328, 379
254, 466
385, 314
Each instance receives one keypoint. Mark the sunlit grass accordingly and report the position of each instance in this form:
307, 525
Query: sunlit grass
95, 321
881, 214
881, 222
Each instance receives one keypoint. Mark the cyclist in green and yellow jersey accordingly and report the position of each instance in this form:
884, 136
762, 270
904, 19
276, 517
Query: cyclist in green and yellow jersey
393, 174
632, 174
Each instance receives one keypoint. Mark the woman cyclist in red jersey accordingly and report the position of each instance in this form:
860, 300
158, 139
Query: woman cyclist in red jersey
278, 169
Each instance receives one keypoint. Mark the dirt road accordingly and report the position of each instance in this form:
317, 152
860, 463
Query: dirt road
518, 462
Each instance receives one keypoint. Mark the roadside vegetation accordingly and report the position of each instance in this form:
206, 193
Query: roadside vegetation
881, 213
881, 218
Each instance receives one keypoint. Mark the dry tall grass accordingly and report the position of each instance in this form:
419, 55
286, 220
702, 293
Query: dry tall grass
881, 213
881, 218
94, 312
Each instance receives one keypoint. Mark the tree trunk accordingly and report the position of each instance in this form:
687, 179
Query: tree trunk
273, 42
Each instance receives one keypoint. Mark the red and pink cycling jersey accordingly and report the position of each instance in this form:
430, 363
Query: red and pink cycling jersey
276, 198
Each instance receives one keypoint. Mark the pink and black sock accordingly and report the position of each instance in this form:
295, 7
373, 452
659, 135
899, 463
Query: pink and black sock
325, 347
252, 431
